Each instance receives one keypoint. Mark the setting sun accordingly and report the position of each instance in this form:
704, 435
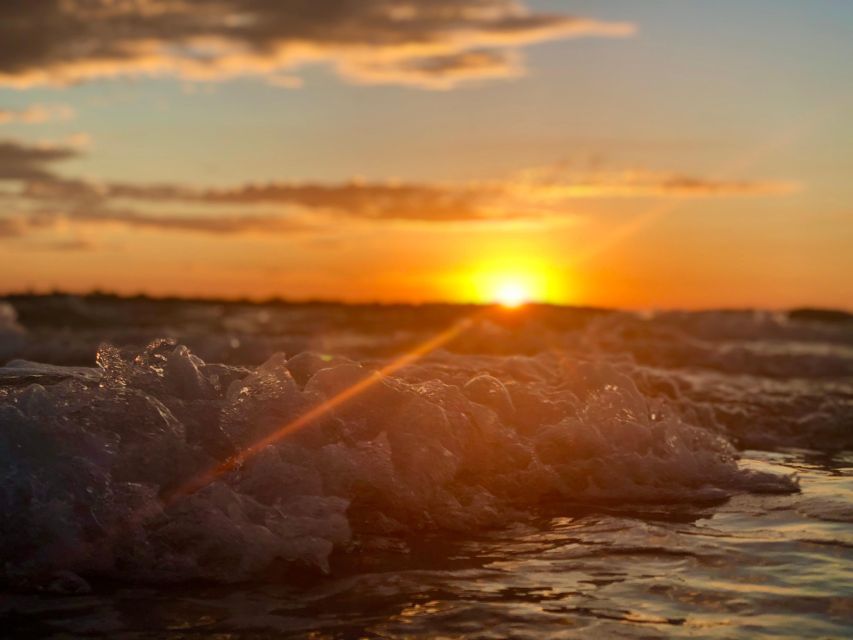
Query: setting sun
512, 294
515, 279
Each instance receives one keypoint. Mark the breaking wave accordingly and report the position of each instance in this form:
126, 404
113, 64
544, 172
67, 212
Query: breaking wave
455, 442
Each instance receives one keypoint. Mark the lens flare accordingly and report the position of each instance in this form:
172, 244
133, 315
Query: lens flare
204, 478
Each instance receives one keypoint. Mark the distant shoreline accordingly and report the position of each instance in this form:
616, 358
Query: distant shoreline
824, 314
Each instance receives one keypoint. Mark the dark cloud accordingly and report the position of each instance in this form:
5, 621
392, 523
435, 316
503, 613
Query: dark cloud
426, 42
20, 161
217, 224
378, 201
27, 222
530, 194
44, 199
445, 71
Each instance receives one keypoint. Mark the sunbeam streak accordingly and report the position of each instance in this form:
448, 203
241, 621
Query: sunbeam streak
749, 158
203, 479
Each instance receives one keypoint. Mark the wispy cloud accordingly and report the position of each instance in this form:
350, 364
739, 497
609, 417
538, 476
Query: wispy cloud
45, 200
527, 195
556, 184
442, 71
217, 224
357, 199
36, 114
20, 161
66, 245
28, 222
428, 43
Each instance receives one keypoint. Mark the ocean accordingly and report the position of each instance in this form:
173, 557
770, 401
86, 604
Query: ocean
188, 469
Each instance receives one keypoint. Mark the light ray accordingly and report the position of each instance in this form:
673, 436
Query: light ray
201, 480
749, 158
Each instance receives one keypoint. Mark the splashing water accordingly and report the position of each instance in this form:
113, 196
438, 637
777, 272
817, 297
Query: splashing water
567, 472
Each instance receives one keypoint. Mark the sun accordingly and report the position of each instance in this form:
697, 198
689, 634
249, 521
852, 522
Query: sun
513, 281
512, 294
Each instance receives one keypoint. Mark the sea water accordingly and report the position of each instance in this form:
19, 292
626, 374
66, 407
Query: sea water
543, 472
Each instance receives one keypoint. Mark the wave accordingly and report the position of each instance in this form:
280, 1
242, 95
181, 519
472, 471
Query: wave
454, 443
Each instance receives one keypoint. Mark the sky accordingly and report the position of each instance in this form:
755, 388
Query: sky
624, 153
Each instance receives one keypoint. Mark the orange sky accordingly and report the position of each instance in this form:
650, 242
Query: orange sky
616, 153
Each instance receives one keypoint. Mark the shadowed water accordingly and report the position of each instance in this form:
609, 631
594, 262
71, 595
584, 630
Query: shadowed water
772, 566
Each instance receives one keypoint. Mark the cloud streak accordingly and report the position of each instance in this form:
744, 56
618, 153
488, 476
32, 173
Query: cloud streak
555, 184
45, 200
426, 43
36, 114
519, 197
19, 161
217, 224
29, 222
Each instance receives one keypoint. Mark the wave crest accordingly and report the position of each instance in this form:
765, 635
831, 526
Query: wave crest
87, 452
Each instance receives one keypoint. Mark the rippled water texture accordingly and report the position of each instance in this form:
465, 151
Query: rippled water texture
546, 473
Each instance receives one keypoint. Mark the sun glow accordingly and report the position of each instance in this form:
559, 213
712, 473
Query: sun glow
512, 294
513, 284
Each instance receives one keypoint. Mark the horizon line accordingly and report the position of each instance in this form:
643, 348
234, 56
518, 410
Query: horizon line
284, 301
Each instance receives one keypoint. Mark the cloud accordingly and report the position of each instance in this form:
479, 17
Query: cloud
45, 199
428, 43
556, 184
28, 222
366, 200
12, 228
69, 245
424, 200
217, 224
36, 114
531, 195
376, 201
24, 225
20, 161
21, 224
441, 71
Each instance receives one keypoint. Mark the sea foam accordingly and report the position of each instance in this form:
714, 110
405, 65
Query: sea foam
455, 442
